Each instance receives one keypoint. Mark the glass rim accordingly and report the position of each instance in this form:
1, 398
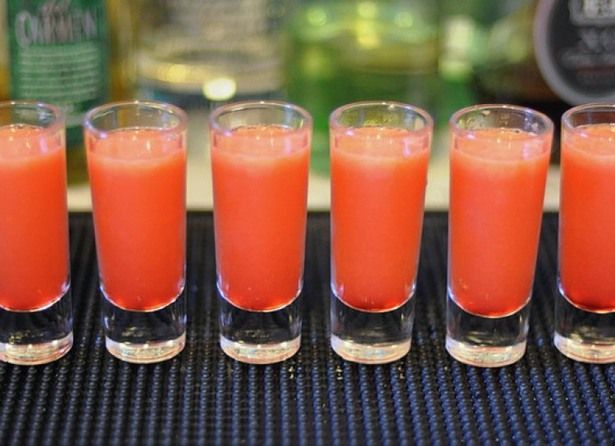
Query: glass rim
335, 114
248, 105
454, 119
158, 105
589, 107
59, 115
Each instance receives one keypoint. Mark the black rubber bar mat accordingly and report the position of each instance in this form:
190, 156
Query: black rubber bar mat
202, 397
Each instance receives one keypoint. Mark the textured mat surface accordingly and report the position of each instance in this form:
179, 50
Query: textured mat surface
202, 397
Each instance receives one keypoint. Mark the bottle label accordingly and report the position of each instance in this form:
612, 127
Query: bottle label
575, 48
58, 54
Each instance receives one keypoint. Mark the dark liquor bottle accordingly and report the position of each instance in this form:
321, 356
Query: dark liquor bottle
574, 42
549, 55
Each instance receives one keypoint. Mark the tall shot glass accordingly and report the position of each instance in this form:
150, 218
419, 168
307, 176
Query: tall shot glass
136, 154
585, 306
379, 158
499, 157
260, 160
35, 302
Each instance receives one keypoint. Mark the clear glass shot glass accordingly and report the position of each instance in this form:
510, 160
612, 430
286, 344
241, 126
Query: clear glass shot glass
499, 157
379, 159
260, 155
136, 153
35, 301
585, 305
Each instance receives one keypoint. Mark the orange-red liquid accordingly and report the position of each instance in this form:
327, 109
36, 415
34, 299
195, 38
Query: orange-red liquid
587, 217
138, 181
34, 263
497, 189
260, 177
378, 181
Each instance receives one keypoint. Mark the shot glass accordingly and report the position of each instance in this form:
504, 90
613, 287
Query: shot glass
585, 305
499, 157
260, 160
35, 302
379, 158
136, 153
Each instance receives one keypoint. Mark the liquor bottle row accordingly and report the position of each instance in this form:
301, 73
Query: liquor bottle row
440, 55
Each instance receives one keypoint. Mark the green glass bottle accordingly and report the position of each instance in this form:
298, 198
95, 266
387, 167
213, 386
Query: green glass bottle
345, 50
4, 68
58, 54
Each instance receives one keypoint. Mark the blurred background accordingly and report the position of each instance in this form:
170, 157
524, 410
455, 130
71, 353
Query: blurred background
438, 54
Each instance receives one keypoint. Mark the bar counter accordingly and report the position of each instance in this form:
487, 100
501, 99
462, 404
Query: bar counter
203, 397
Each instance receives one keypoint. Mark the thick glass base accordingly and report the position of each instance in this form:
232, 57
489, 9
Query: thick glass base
37, 337
485, 341
148, 352
144, 337
583, 335
35, 354
370, 337
259, 337
260, 353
